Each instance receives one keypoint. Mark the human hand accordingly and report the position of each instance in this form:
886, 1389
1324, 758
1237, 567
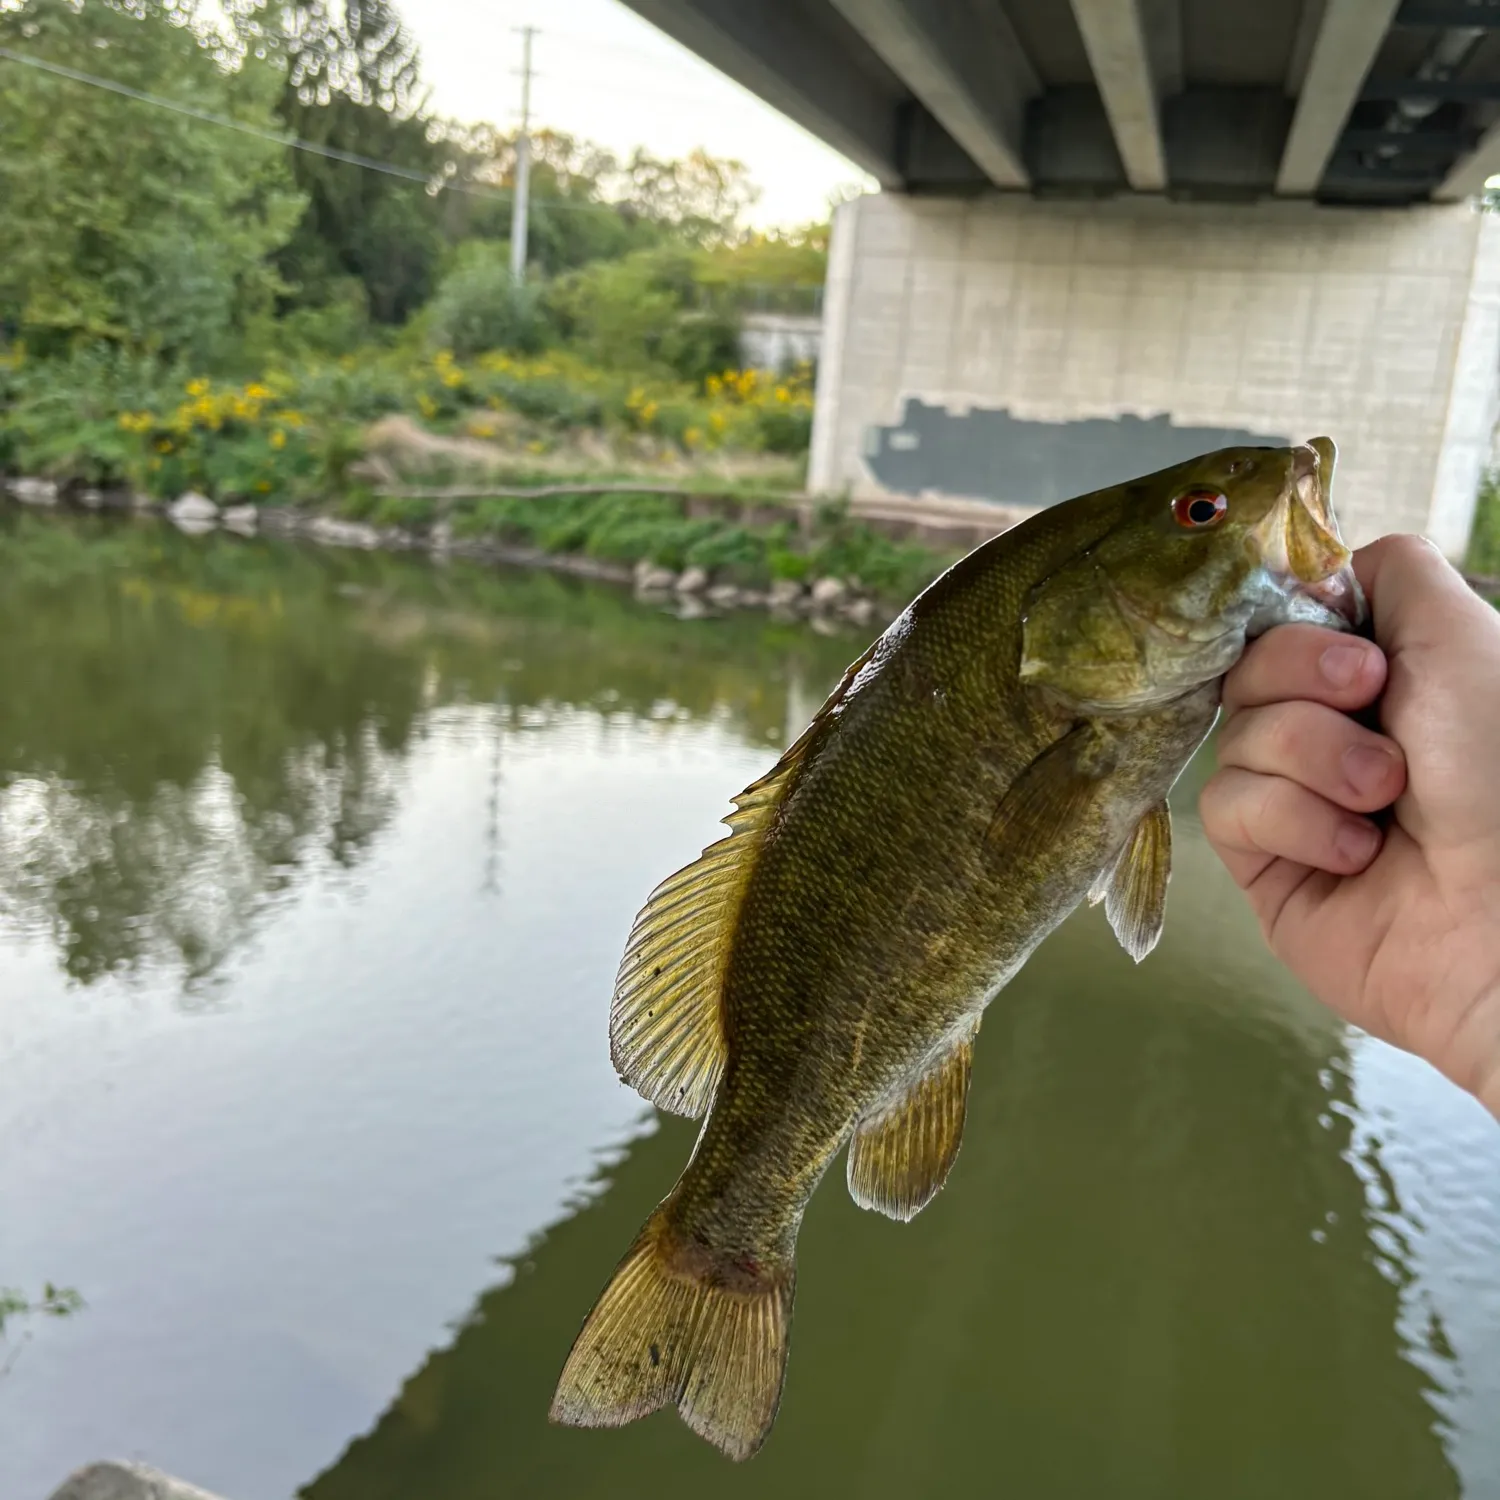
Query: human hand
1398, 930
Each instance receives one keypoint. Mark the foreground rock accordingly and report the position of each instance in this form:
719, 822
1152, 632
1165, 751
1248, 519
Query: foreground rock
117, 1481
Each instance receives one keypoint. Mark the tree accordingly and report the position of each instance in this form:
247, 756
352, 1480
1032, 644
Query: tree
126, 222
700, 198
352, 82
572, 222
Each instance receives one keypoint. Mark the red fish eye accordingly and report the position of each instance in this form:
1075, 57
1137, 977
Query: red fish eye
1198, 508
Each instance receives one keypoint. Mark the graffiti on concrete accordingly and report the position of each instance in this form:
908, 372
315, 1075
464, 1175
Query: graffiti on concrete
986, 454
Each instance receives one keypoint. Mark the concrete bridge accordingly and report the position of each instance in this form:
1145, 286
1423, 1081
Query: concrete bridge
1116, 232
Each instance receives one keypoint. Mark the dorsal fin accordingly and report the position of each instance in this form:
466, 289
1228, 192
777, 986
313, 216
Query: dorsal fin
666, 1032
901, 1155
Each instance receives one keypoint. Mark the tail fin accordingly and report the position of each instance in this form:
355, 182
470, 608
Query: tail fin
678, 1325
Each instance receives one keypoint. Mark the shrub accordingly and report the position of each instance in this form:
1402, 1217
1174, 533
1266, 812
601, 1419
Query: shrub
478, 307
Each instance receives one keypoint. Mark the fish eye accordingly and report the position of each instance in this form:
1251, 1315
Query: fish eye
1196, 509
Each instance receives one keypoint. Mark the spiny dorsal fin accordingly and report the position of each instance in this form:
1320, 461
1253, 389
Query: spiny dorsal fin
666, 1034
1135, 891
900, 1156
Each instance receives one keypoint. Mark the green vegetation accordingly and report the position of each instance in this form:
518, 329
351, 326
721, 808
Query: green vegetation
159, 267
1484, 543
750, 551
16, 1307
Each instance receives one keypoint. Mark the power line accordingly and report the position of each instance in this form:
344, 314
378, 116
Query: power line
279, 138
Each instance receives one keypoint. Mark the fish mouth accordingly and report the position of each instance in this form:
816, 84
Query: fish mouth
1305, 560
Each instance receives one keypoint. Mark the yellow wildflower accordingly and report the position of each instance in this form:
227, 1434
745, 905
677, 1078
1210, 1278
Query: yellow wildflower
278, 439
290, 418
717, 421
197, 387
648, 412
426, 405
163, 445
713, 385
692, 437
783, 395
257, 392
452, 378
263, 486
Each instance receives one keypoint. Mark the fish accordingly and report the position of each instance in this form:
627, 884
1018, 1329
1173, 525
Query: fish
817, 979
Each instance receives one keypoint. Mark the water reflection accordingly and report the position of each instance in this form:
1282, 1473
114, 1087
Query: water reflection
338, 1227
185, 726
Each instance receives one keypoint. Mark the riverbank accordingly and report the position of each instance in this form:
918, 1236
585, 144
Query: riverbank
704, 551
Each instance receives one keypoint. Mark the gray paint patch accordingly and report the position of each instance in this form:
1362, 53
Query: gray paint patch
991, 455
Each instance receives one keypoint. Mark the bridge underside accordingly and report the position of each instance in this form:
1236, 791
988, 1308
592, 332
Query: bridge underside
1357, 102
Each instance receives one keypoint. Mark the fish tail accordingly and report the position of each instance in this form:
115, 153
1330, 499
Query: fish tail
680, 1323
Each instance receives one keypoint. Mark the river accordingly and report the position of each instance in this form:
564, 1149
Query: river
314, 871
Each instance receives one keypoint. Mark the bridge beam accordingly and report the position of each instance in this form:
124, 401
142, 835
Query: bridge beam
776, 50
963, 62
1469, 173
1348, 38
1114, 36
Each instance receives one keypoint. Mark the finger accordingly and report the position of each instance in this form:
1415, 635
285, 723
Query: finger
1306, 661
1416, 595
1320, 749
1252, 820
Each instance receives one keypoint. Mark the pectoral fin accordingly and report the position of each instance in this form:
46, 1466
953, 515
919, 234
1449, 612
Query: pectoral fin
1134, 891
1047, 797
900, 1156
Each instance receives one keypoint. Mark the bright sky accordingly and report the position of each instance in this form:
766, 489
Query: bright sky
603, 73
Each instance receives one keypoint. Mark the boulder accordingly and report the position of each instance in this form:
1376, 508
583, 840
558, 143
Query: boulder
336, 533
441, 536
860, 611
34, 491
241, 518
191, 506
785, 592
692, 581
119, 1481
652, 578
724, 595
90, 498
827, 592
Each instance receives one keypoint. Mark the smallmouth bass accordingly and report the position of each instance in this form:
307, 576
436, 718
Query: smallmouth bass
1000, 754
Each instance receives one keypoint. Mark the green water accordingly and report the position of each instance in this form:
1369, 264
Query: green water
314, 871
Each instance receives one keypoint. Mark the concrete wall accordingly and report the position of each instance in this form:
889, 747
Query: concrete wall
1068, 344
775, 341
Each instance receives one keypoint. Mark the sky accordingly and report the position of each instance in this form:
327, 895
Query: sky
603, 73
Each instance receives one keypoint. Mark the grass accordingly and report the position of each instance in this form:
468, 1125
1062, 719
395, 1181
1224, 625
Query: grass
746, 549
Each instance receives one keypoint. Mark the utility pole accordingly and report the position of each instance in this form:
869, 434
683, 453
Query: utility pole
520, 204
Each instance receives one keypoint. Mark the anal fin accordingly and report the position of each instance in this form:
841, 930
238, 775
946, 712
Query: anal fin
1134, 890
900, 1156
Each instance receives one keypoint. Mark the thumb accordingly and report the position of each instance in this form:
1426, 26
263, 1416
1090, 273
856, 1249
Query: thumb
1416, 595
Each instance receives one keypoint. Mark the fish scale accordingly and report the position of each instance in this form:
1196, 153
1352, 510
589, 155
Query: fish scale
817, 979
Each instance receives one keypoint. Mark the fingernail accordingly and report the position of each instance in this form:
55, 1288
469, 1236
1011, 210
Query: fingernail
1342, 664
1356, 842
1368, 767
